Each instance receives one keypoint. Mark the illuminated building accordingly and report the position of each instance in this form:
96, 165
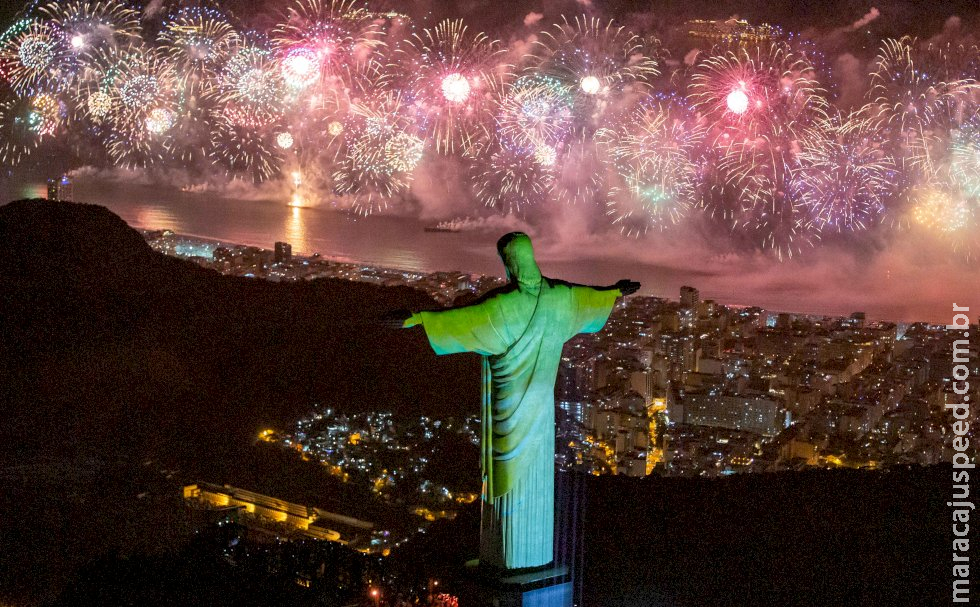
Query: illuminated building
799, 449
732, 30
690, 298
306, 520
642, 382
60, 189
746, 413
579, 410
284, 252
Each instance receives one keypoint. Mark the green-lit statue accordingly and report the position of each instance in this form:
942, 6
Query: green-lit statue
520, 330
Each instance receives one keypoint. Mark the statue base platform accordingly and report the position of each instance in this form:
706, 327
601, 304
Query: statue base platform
542, 587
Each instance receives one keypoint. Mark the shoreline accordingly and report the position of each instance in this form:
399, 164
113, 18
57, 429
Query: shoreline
296, 255
309, 257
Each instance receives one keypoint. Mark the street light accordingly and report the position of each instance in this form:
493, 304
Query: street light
376, 595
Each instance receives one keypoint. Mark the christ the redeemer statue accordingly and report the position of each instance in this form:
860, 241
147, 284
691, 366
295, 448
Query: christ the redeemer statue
520, 330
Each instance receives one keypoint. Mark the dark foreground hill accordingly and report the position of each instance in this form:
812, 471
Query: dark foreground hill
822, 538
111, 346
818, 537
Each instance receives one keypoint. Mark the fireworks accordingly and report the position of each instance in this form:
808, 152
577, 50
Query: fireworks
99, 104
358, 103
738, 100
778, 217
650, 152
906, 98
950, 216
32, 57
545, 155
965, 156
253, 81
245, 116
134, 150
455, 88
403, 152
197, 41
761, 108
90, 26
36, 52
758, 91
45, 114
140, 81
767, 199
508, 177
451, 73
940, 210
141, 104
846, 182
300, 68
326, 41
575, 72
18, 136
160, 120
383, 148
594, 59
590, 85
535, 111
139, 90
244, 151
912, 104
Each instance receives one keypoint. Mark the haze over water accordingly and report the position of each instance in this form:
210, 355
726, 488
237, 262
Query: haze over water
902, 283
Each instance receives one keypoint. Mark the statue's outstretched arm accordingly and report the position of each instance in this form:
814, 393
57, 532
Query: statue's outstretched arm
406, 319
624, 286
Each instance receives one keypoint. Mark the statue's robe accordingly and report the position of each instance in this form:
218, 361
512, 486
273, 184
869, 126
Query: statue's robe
520, 332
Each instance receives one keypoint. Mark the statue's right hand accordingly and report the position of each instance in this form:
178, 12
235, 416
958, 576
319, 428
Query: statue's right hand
395, 319
627, 286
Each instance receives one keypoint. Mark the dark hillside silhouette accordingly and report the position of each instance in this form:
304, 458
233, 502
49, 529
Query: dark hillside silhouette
111, 347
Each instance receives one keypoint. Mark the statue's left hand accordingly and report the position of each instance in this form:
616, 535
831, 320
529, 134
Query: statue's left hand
627, 286
395, 319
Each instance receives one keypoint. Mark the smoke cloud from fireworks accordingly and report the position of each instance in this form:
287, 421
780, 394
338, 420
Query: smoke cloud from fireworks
868, 18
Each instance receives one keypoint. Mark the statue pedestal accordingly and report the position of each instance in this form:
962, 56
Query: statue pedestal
546, 587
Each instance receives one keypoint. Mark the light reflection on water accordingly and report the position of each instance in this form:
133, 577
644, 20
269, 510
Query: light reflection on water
158, 215
296, 229
386, 241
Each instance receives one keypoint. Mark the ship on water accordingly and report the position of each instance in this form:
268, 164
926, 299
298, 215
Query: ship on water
451, 225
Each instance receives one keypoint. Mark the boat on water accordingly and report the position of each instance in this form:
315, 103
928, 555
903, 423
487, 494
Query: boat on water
452, 225
440, 228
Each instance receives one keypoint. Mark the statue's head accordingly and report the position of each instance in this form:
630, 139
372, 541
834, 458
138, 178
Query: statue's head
518, 256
